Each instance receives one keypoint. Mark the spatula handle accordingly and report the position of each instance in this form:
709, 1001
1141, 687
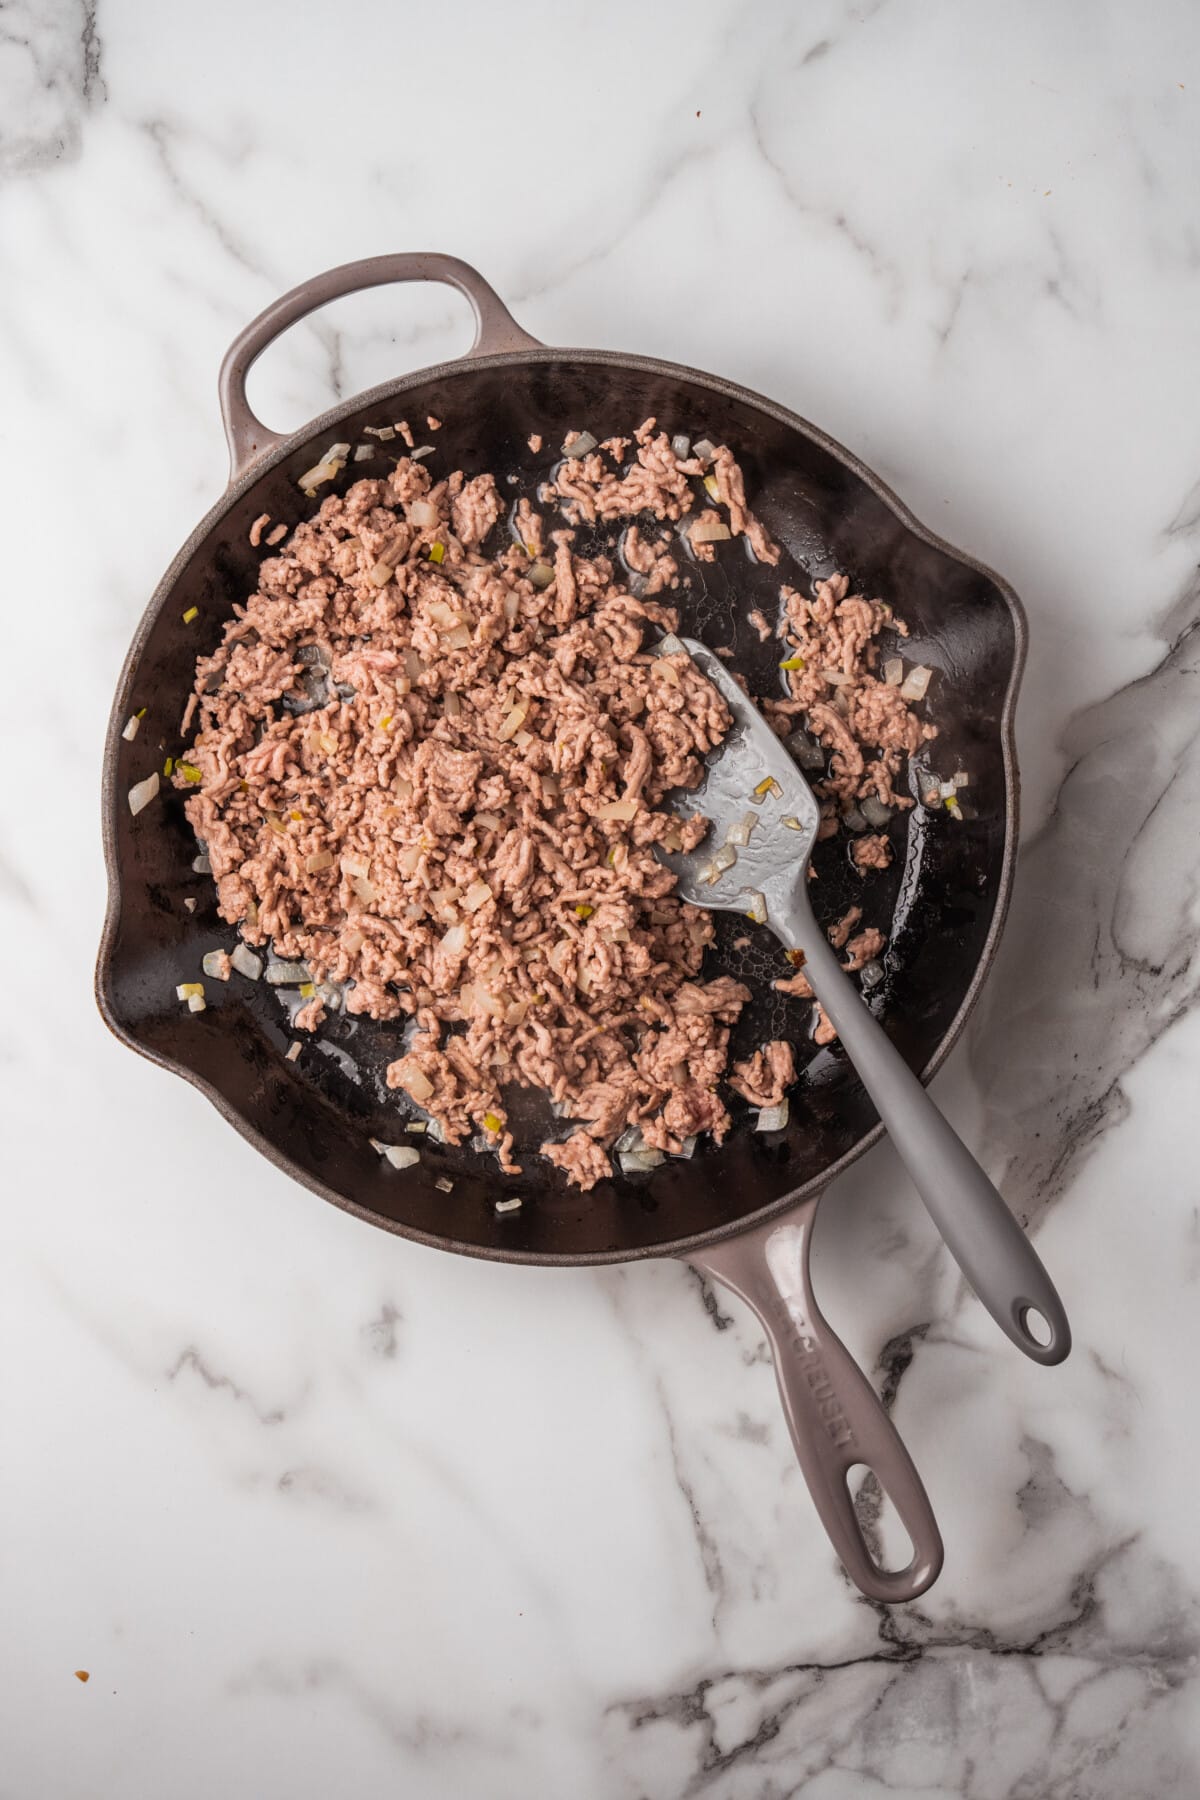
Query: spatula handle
983, 1237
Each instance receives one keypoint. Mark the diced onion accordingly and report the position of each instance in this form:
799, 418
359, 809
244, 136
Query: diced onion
213, 964
196, 1003
704, 449
617, 809
188, 990
513, 720
325, 470
541, 575
385, 433
287, 974
792, 822
854, 820
512, 607
875, 812
366, 890
477, 895
961, 779
582, 443
320, 859
739, 834
245, 962
725, 858
639, 1162
681, 446
807, 753
489, 821
381, 573
836, 677
418, 1084
142, 793
767, 786
709, 531
444, 1185
413, 665
454, 939
131, 728
916, 683
452, 704
507, 1206
457, 639
773, 1118
871, 973
757, 908
893, 671
421, 452
422, 514
353, 865
688, 1147
709, 874
401, 1156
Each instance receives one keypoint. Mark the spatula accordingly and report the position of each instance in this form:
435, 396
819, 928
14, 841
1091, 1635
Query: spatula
769, 882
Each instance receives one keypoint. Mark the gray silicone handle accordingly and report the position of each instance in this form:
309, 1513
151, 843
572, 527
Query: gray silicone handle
495, 329
983, 1237
834, 1415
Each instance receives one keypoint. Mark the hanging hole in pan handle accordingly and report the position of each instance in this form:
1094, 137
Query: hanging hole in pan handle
836, 1419
495, 330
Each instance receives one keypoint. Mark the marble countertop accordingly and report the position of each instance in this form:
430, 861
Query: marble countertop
322, 1512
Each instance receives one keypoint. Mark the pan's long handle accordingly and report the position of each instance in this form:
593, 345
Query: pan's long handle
833, 1413
495, 329
983, 1237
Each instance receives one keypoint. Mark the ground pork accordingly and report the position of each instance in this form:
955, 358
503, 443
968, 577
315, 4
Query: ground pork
871, 852
435, 776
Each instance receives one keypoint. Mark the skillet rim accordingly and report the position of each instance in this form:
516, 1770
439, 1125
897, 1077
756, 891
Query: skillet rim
243, 483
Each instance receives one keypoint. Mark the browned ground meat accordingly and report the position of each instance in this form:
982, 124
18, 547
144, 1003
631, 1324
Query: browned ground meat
863, 949
761, 624
437, 783
872, 852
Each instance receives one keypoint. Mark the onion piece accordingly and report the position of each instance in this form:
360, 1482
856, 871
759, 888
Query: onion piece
287, 974
213, 964
454, 939
131, 727
187, 990
961, 779
457, 639
757, 909
581, 443
422, 514
704, 449
363, 452
916, 683
875, 812
353, 865
773, 1118
196, 1003
507, 1206
871, 973
444, 1185
854, 820
792, 822
668, 645
639, 1162
477, 895
617, 809
245, 962
328, 467
687, 1148
512, 607
681, 446
724, 859
836, 677
414, 667
893, 671
513, 720
452, 704
142, 793
320, 859
385, 433
709, 531
422, 451
401, 1156
739, 834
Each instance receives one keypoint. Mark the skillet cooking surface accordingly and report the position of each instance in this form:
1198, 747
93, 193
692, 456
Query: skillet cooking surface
938, 902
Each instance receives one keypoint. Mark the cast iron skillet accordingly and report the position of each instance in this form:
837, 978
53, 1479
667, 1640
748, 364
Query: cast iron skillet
743, 1213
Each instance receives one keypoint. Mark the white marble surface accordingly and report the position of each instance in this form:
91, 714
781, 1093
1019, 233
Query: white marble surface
326, 1513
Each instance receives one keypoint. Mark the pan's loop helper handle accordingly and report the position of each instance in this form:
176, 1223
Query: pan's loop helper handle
495, 330
981, 1234
834, 1415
